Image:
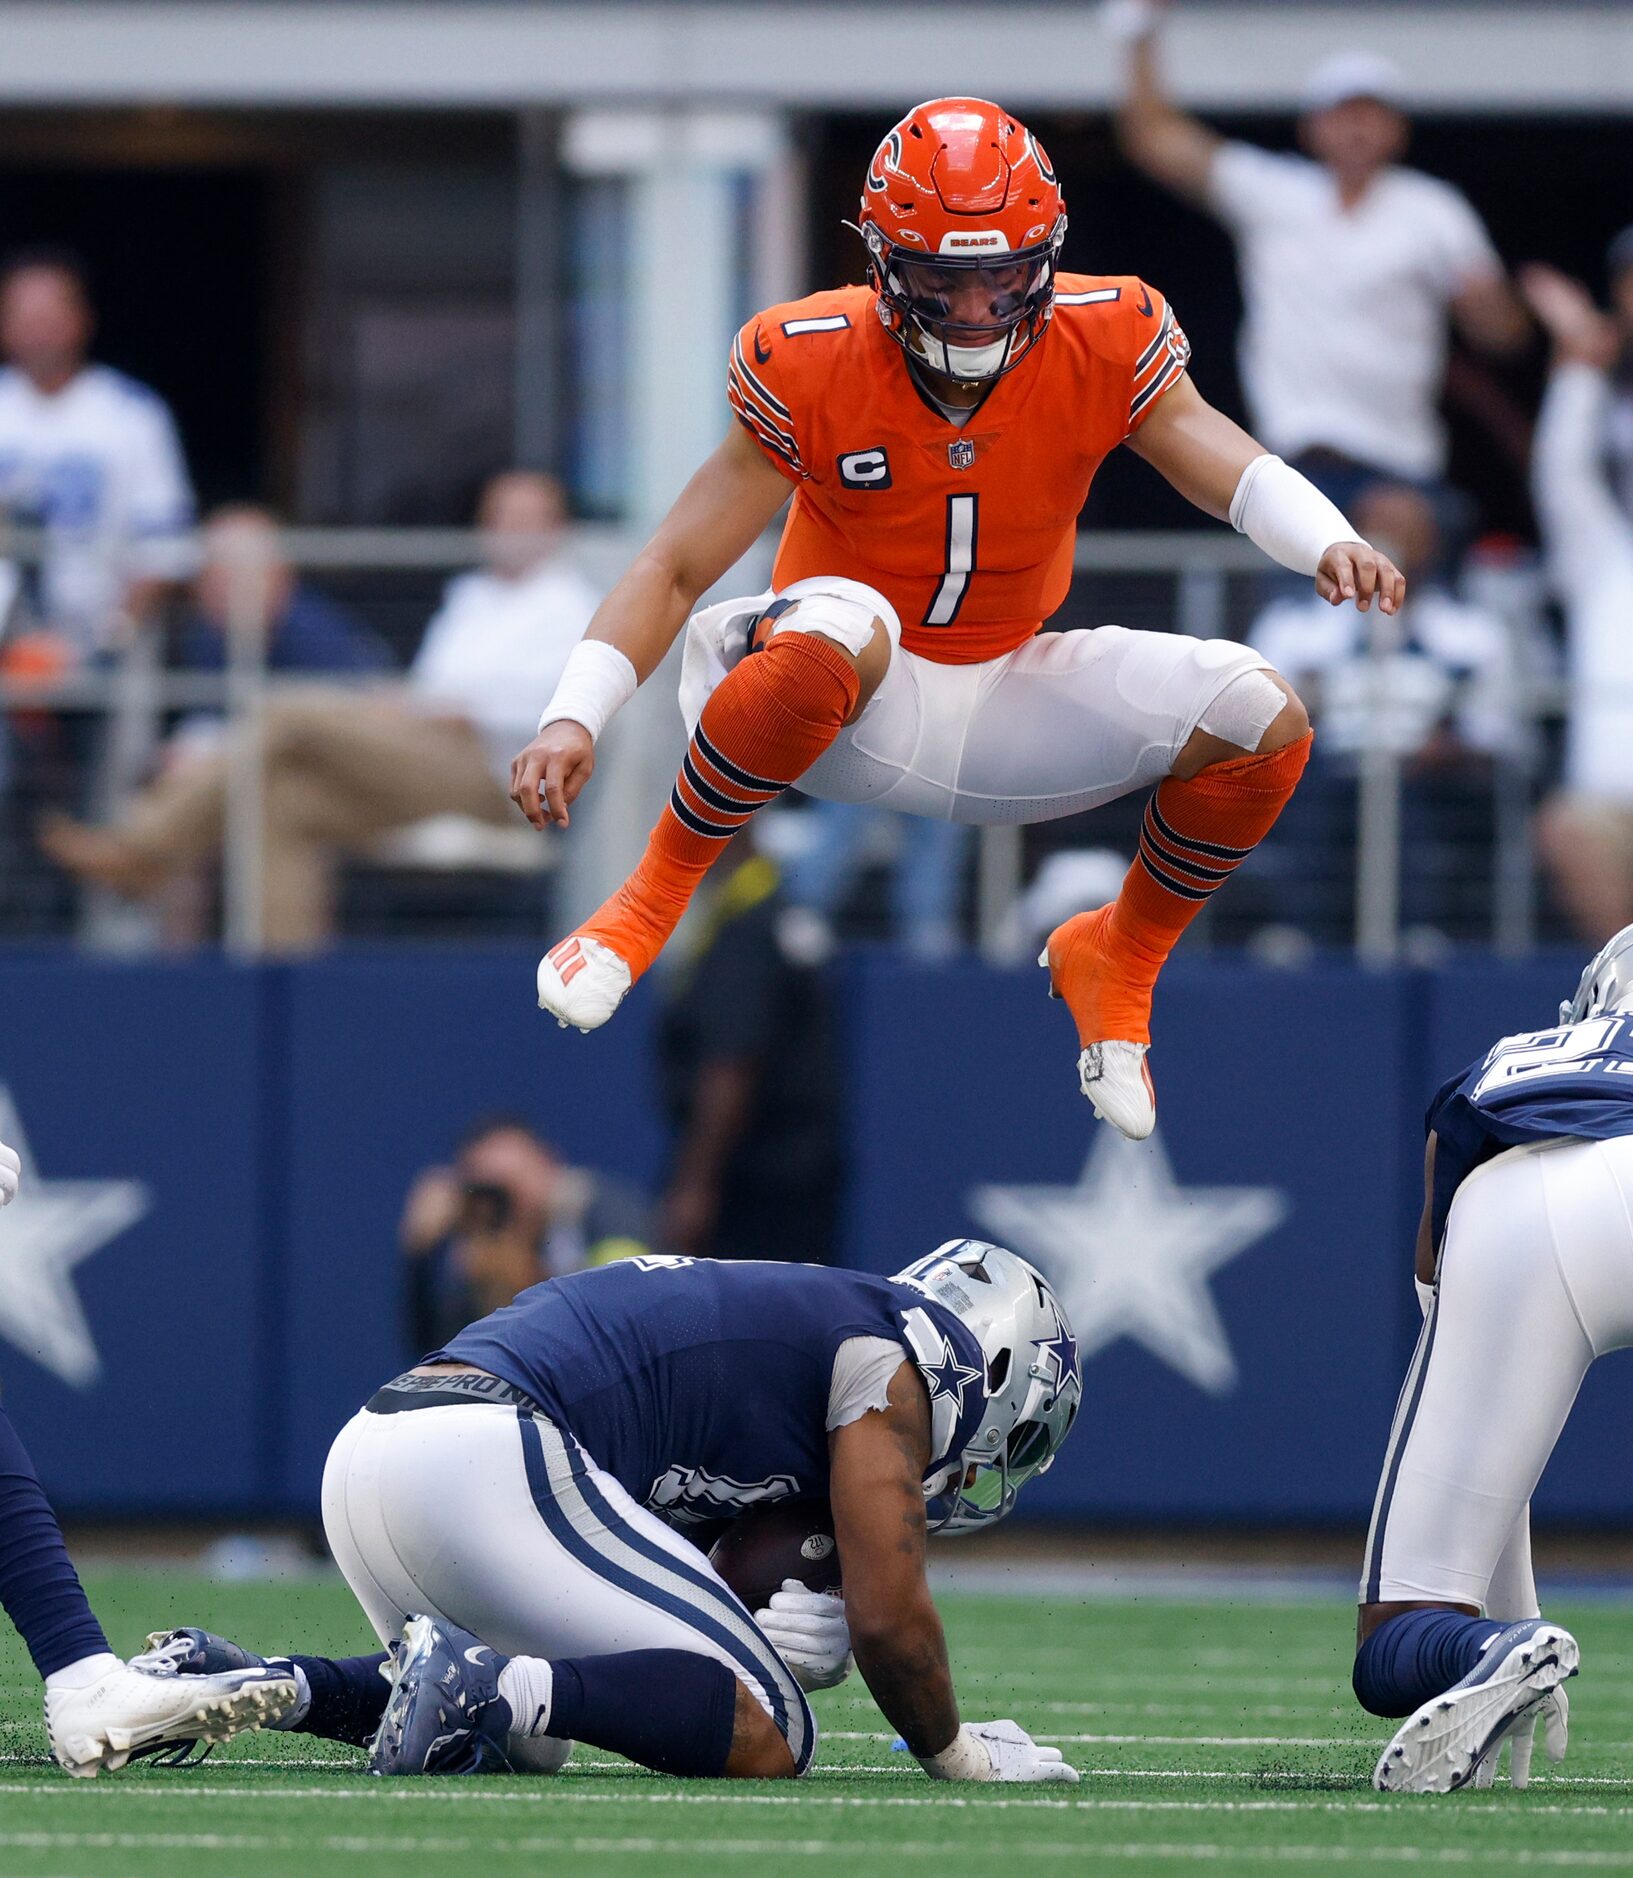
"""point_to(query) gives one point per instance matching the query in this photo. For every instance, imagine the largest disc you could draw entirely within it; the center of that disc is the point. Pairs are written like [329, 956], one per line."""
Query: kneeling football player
[1527, 1246]
[510, 1515]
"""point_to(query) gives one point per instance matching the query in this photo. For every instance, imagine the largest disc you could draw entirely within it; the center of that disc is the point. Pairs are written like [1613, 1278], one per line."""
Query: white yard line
[446, 1845]
[562, 1794]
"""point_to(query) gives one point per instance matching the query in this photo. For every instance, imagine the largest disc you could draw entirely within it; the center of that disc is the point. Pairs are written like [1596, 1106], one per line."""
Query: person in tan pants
[342, 768]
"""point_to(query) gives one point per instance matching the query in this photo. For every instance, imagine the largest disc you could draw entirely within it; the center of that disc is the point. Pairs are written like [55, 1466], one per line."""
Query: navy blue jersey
[702, 1386]
[1573, 1082]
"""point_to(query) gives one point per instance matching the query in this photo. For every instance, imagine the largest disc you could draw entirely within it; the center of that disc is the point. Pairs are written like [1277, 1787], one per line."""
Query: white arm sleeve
[1285, 514]
[863, 1367]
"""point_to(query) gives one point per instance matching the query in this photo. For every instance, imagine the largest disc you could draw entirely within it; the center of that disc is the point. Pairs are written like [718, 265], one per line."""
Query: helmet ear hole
[998, 1372]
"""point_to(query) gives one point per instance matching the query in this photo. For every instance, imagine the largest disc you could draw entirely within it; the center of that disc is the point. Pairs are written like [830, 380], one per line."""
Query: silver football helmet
[1606, 983]
[1034, 1379]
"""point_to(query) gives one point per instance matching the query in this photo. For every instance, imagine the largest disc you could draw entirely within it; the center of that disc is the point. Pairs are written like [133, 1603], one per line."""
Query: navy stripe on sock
[734, 772]
[1214, 849]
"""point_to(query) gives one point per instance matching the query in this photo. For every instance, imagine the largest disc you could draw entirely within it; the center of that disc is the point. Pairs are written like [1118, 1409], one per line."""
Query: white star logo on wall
[1130, 1251]
[52, 1226]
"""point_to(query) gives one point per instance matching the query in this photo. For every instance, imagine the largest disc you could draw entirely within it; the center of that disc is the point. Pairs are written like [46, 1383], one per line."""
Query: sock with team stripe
[1417, 1656]
[767, 722]
[39, 1587]
[1196, 833]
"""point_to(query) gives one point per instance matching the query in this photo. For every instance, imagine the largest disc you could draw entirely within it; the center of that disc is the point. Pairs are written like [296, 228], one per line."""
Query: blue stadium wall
[274, 1117]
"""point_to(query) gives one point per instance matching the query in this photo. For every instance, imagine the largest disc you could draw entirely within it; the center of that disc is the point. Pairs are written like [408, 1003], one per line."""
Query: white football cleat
[582, 982]
[134, 1710]
[1444, 1745]
[1117, 1080]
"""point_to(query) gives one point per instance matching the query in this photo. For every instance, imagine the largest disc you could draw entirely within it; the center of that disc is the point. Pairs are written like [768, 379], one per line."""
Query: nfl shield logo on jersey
[961, 453]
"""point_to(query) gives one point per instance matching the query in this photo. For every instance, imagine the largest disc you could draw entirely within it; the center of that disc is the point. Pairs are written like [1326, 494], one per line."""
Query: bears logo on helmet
[963, 220]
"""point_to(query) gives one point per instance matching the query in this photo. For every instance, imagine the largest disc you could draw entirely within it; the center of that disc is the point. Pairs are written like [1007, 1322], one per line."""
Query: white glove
[1554, 1713]
[809, 1631]
[998, 1750]
[10, 1170]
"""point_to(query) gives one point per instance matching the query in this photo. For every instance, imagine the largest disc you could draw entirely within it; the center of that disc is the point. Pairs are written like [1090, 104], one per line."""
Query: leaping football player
[99, 1712]
[1525, 1259]
[511, 1516]
[940, 428]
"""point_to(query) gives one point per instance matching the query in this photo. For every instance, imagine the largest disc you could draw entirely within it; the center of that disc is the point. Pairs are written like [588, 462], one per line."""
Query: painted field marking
[1484, 1857]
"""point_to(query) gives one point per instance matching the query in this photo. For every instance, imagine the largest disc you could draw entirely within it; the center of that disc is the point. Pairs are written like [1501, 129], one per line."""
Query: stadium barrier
[1205, 582]
[202, 1282]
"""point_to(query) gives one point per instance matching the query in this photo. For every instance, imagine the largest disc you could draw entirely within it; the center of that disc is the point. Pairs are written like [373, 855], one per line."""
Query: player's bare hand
[1565, 310]
[546, 778]
[1350, 570]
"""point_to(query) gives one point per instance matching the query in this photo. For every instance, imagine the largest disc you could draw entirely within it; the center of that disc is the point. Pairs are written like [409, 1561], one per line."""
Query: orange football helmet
[963, 221]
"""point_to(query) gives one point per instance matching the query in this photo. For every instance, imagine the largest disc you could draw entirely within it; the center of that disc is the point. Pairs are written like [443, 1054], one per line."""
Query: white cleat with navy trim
[1452, 1738]
[144, 1707]
[582, 982]
[1117, 1080]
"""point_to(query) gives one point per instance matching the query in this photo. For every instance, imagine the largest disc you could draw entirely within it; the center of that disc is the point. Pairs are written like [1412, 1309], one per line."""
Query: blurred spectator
[1586, 830]
[1436, 685]
[1434, 682]
[926, 873]
[749, 1078]
[507, 1214]
[88, 455]
[1350, 264]
[245, 581]
[341, 770]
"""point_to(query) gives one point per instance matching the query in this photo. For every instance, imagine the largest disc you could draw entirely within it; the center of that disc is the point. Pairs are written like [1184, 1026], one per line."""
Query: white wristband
[596, 681]
[1285, 514]
[964, 1758]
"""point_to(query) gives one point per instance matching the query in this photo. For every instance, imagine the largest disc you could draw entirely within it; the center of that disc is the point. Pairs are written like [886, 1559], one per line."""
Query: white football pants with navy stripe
[496, 1520]
[1536, 1280]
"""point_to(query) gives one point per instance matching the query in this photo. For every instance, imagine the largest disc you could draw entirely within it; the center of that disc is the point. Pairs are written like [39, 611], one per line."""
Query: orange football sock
[767, 722]
[1195, 835]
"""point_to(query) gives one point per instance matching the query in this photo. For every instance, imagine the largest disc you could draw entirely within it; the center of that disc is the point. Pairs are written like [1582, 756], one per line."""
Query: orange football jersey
[967, 531]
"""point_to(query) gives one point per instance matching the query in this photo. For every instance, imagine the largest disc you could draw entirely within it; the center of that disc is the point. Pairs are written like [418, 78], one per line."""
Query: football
[788, 1539]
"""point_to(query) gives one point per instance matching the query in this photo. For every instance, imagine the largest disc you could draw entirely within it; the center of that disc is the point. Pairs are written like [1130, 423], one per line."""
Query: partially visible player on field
[99, 1712]
[1352, 265]
[512, 1515]
[940, 428]
[1526, 1241]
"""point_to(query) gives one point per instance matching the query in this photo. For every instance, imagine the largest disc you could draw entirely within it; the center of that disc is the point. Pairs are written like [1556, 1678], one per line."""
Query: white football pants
[1067, 721]
[496, 1520]
[1536, 1280]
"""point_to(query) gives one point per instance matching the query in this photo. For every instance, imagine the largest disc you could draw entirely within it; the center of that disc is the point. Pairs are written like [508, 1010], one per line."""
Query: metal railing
[1210, 580]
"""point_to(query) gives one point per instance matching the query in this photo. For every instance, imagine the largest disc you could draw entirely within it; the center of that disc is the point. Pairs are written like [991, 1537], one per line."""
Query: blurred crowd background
[324, 423]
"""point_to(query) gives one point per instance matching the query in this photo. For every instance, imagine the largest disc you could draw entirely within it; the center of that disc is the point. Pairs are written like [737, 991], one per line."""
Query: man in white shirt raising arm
[1351, 264]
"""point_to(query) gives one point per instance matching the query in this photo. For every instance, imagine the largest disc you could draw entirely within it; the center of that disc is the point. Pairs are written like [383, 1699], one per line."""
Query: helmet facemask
[969, 317]
[1033, 1382]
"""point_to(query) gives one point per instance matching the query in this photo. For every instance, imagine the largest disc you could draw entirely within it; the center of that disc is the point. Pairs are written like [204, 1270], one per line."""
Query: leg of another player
[1500, 1360]
[813, 668]
[1229, 782]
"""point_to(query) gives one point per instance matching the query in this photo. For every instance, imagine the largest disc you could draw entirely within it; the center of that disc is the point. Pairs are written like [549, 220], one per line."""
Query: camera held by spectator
[508, 1213]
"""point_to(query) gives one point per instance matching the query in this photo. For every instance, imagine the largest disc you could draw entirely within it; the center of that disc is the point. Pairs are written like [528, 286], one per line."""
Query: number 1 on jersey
[960, 563]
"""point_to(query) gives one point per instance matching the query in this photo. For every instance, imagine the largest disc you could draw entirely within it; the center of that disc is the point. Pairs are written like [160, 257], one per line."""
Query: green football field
[1211, 1736]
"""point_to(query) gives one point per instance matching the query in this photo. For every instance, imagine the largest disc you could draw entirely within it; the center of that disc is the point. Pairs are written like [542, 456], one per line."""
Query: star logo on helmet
[1060, 1350]
[948, 1377]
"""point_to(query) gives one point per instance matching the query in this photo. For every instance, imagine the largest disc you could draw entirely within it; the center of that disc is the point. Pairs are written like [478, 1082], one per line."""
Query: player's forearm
[904, 1664]
[643, 614]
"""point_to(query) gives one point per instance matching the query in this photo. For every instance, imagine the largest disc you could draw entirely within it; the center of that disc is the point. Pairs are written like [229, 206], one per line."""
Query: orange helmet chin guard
[963, 221]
